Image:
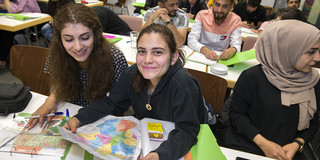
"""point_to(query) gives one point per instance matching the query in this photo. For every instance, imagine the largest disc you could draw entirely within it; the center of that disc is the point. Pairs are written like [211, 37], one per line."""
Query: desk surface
[77, 153]
[16, 25]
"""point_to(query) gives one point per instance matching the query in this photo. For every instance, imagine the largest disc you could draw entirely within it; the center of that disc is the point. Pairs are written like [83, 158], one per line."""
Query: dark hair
[289, 0]
[139, 83]
[65, 70]
[53, 6]
[290, 13]
[162, 1]
[254, 3]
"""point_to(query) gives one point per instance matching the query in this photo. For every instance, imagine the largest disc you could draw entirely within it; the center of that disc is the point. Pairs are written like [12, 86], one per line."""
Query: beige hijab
[279, 48]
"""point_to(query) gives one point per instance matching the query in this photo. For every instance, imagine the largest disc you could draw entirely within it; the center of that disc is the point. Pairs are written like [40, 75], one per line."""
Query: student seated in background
[167, 13]
[282, 14]
[157, 86]
[274, 109]
[216, 29]
[6, 37]
[53, 6]
[111, 22]
[82, 64]
[251, 12]
[290, 4]
[192, 7]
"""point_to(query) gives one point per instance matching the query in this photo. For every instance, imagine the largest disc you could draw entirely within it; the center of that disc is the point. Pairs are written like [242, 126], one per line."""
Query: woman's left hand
[291, 149]
[151, 156]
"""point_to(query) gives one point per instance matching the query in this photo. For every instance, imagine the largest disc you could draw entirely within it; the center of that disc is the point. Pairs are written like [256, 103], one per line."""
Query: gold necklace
[148, 106]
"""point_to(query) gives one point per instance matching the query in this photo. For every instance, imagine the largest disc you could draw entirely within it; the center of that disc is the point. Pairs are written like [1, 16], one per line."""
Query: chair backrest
[213, 88]
[249, 43]
[27, 64]
[134, 23]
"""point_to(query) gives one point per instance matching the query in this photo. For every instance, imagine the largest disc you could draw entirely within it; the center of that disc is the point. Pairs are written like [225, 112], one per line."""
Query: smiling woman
[157, 86]
[83, 65]
[275, 106]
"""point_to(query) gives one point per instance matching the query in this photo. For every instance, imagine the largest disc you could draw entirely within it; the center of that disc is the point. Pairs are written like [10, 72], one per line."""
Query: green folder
[191, 20]
[112, 39]
[17, 16]
[239, 57]
[207, 147]
[137, 4]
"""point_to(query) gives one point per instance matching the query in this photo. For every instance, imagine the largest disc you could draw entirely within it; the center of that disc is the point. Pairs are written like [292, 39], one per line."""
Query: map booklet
[111, 137]
[37, 141]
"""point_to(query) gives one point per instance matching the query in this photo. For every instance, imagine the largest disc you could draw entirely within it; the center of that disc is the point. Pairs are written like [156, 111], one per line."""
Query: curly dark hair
[139, 83]
[65, 70]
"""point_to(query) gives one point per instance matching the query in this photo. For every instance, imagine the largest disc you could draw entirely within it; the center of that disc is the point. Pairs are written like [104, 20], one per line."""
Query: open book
[45, 141]
[116, 138]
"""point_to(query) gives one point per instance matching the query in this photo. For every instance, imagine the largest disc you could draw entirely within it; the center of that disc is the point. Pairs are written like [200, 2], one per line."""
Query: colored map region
[115, 137]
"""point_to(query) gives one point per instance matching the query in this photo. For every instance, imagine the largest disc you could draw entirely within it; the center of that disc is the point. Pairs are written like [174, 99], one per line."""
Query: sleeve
[146, 16]
[183, 21]
[241, 101]
[119, 63]
[17, 6]
[116, 102]
[187, 126]
[194, 36]
[262, 14]
[235, 39]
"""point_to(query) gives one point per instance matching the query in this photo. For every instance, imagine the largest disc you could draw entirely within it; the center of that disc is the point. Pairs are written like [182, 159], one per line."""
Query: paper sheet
[239, 57]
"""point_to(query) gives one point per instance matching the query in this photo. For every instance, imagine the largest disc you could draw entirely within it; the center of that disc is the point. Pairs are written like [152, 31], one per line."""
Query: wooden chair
[249, 43]
[213, 88]
[27, 64]
[134, 23]
[269, 10]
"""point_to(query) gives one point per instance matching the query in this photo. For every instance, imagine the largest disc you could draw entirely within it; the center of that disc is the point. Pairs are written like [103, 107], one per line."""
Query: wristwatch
[169, 22]
[301, 147]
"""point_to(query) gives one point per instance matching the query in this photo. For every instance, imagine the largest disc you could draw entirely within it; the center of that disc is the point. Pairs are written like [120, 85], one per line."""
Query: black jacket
[176, 98]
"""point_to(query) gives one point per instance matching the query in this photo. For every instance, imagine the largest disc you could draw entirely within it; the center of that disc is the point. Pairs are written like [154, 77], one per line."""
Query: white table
[14, 25]
[76, 152]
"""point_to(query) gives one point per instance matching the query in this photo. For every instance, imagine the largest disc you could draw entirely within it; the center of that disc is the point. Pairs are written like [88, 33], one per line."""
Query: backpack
[13, 98]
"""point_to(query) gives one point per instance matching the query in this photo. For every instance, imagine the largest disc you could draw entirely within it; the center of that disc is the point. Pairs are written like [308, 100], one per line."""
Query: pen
[48, 115]
[67, 114]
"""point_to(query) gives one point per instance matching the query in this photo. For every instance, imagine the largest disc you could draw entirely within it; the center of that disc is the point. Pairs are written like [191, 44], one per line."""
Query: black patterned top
[119, 66]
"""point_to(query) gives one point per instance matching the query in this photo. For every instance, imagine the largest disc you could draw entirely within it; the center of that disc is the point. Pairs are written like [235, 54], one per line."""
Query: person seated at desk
[167, 13]
[6, 37]
[157, 86]
[83, 65]
[274, 109]
[53, 7]
[282, 14]
[290, 4]
[251, 12]
[216, 30]
[192, 7]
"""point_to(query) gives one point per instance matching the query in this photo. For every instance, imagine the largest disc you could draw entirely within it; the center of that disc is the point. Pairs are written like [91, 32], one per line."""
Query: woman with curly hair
[82, 64]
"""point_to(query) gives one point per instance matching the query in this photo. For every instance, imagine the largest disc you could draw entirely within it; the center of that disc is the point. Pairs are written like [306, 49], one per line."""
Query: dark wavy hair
[139, 83]
[290, 13]
[65, 70]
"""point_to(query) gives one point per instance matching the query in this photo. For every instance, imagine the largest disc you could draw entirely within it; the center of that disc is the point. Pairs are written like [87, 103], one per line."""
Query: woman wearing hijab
[274, 111]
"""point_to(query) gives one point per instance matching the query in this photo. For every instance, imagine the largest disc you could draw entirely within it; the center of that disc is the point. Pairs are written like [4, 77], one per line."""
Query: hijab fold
[279, 48]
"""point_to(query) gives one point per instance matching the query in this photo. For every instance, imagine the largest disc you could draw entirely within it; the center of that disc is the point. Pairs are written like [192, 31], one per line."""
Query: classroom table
[76, 152]
[14, 25]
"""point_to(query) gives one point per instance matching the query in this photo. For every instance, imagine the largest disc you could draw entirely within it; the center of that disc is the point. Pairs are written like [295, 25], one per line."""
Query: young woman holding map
[158, 87]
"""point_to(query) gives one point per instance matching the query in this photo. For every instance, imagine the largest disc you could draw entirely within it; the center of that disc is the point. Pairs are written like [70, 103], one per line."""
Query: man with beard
[251, 12]
[216, 30]
[167, 13]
